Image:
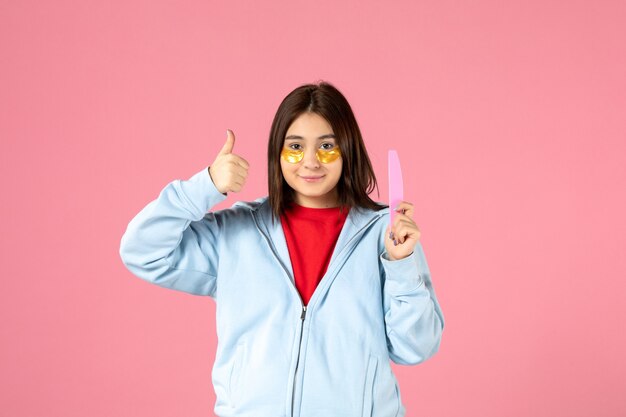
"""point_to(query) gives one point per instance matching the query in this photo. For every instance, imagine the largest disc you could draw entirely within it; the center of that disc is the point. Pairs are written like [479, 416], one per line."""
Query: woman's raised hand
[229, 171]
[402, 236]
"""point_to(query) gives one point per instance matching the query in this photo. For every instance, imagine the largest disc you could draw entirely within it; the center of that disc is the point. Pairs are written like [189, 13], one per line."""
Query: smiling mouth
[311, 179]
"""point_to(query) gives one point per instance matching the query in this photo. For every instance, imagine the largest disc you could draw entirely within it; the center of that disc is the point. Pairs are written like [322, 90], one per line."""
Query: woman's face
[314, 182]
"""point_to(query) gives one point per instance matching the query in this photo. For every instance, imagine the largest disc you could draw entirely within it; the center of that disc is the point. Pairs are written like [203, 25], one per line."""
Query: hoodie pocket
[235, 372]
[368, 390]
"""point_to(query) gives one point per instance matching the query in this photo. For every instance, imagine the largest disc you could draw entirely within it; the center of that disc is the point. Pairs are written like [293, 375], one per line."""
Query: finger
[388, 234]
[406, 231]
[236, 161]
[230, 143]
[237, 177]
[238, 170]
[402, 218]
[404, 207]
[240, 161]
[401, 225]
[237, 185]
[235, 166]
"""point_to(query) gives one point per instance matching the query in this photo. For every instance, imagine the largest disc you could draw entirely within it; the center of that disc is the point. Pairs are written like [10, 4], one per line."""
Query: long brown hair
[357, 178]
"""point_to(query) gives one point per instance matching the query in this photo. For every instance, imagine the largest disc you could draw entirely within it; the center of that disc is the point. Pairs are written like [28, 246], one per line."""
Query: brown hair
[357, 178]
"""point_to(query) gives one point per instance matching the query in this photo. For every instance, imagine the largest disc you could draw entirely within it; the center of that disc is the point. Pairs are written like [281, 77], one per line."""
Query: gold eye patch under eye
[294, 156]
[326, 157]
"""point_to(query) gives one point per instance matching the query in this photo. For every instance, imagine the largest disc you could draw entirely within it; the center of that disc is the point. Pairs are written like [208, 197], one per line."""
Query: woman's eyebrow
[326, 136]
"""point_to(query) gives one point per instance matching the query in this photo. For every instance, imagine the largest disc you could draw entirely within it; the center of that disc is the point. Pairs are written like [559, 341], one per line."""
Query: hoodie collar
[356, 220]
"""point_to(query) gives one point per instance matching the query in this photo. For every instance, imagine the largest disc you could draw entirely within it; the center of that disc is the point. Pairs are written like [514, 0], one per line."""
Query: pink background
[510, 120]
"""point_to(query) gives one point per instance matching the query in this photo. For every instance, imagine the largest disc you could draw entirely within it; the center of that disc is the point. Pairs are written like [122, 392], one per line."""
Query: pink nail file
[396, 190]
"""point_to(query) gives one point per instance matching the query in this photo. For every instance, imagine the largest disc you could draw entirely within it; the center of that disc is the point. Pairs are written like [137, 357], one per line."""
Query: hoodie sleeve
[172, 241]
[413, 318]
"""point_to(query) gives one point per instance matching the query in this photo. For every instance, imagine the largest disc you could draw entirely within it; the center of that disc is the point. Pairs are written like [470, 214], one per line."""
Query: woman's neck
[328, 201]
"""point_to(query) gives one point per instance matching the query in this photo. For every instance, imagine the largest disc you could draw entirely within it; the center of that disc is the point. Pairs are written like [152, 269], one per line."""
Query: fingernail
[390, 235]
[395, 243]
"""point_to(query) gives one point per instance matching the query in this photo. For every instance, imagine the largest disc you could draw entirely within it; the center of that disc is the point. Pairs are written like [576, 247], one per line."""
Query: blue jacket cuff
[402, 275]
[200, 188]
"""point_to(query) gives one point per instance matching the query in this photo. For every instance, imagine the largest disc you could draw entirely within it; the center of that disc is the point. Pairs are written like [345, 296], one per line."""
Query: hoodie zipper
[295, 374]
[303, 314]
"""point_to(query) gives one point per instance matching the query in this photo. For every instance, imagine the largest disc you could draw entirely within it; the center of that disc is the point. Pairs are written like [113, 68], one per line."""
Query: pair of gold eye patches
[294, 156]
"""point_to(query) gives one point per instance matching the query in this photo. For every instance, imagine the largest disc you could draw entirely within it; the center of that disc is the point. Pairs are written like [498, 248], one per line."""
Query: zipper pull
[303, 312]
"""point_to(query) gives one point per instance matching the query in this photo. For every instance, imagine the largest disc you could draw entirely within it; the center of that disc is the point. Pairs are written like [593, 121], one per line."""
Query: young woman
[314, 292]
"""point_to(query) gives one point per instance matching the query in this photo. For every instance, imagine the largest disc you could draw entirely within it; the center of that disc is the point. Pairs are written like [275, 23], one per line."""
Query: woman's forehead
[309, 123]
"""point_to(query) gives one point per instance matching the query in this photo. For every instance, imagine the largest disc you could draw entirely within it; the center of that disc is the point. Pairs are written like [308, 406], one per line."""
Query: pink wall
[510, 119]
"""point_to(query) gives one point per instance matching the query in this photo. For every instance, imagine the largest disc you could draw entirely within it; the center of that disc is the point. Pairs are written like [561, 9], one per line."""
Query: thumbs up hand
[228, 171]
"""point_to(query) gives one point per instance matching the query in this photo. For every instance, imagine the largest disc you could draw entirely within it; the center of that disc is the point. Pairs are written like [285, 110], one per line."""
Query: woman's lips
[312, 178]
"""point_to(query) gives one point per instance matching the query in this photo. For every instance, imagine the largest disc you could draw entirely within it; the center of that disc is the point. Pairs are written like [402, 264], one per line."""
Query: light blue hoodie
[275, 357]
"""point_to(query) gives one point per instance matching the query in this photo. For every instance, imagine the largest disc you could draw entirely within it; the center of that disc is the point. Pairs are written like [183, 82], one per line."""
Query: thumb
[230, 142]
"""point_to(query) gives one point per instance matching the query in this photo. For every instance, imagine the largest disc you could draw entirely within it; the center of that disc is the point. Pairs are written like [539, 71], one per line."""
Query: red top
[311, 235]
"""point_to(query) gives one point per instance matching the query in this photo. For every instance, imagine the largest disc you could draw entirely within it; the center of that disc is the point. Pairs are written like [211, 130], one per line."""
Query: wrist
[209, 171]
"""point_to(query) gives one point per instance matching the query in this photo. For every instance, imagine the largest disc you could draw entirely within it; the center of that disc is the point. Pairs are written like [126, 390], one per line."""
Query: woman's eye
[329, 147]
[292, 146]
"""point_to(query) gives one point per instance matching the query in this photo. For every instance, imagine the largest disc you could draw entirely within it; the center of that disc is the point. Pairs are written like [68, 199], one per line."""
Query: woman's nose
[310, 159]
